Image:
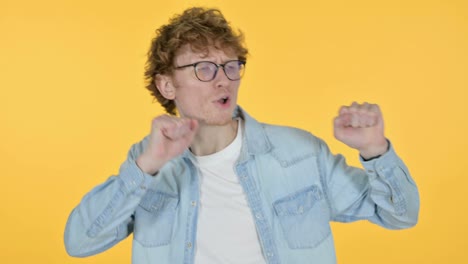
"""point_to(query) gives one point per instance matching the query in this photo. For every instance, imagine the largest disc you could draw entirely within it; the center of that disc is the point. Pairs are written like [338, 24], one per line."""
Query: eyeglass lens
[206, 71]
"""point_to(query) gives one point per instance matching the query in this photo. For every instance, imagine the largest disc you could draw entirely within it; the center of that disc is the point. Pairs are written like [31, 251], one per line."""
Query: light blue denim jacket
[293, 184]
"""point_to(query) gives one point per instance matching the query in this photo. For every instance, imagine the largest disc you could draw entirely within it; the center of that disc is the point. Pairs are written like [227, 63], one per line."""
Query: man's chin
[216, 121]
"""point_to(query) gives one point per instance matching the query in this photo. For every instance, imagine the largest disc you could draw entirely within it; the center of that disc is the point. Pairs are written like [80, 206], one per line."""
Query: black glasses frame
[194, 65]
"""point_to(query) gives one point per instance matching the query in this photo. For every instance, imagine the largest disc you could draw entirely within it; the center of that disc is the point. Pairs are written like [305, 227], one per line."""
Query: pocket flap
[298, 202]
[159, 201]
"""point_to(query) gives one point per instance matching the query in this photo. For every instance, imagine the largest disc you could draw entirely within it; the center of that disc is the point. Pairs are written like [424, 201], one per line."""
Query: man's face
[211, 103]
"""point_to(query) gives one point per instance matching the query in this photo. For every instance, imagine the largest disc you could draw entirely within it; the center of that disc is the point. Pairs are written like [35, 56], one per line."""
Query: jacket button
[301, 209]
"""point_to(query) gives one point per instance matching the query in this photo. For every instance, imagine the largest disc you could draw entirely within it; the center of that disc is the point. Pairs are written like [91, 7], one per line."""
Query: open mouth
[223, 100]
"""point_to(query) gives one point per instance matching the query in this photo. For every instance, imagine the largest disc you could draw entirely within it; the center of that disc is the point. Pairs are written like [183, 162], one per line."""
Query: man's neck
[211, 139]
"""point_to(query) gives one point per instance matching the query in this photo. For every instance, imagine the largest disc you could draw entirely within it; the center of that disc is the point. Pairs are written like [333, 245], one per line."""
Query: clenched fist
[360, 126]
[169, 137]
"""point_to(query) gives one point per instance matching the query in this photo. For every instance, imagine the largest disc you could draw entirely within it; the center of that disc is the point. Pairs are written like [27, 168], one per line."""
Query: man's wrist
[375, 152]
[145, 165]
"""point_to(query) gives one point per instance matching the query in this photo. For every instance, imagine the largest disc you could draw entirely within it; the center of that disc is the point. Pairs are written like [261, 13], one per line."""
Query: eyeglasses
[207, 70]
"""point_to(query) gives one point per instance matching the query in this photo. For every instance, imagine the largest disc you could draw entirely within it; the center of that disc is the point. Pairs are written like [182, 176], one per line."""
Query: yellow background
[72, 101]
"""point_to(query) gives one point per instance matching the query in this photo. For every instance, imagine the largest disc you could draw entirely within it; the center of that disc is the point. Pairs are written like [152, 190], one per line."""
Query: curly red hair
[199, 27]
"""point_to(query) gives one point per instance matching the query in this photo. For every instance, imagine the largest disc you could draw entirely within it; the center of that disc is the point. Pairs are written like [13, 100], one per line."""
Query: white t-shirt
[226, 230]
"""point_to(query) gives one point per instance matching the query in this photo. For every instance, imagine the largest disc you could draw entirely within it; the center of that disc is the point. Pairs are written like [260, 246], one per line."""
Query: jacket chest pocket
[154, 219]
[303, 217]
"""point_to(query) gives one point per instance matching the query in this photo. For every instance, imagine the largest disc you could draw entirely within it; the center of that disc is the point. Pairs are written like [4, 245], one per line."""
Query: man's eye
[232, 67]
[204, 68]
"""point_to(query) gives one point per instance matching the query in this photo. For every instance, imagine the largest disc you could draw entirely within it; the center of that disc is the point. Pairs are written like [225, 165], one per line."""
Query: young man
[212, 185]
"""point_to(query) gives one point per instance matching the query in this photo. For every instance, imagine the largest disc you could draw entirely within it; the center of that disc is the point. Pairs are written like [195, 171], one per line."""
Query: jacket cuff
[134, 180]
[377, 165]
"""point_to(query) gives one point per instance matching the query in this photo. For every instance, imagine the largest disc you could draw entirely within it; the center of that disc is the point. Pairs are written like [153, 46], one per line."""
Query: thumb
[193, 125]
[177, 130]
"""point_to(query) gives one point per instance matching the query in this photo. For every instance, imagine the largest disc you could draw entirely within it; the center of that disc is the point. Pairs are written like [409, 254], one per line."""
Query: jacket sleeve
[383, 192]
[105, 214]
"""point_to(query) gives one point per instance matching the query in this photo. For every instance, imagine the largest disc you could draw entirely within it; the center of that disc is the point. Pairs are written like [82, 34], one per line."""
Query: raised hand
[361, 126]
[169, 137]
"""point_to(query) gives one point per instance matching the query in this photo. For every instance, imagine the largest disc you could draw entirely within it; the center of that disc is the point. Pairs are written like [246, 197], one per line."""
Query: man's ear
[165, 86]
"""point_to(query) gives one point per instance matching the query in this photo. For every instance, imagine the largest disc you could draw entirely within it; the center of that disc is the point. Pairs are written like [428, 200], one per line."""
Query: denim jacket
[293, 185]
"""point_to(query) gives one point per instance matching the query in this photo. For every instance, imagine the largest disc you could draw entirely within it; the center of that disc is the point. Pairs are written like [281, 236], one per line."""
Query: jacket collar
[255, 138]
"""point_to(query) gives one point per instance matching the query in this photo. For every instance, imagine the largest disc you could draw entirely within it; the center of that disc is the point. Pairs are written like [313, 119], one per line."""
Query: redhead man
[210, 184]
